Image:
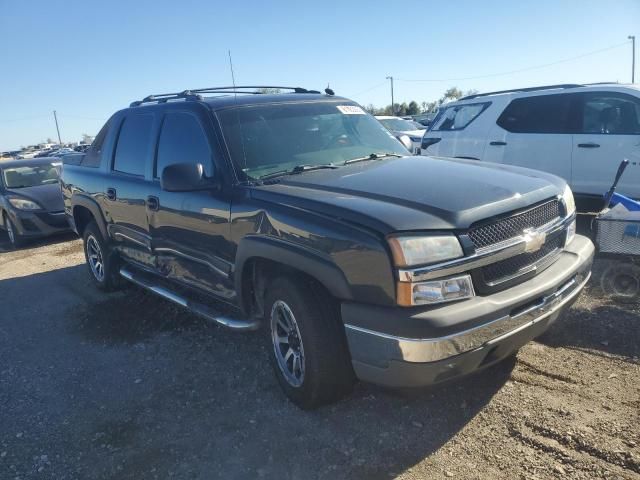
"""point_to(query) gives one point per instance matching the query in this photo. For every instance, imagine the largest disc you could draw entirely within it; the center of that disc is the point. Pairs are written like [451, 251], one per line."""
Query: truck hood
[414, 193]
[48, 197]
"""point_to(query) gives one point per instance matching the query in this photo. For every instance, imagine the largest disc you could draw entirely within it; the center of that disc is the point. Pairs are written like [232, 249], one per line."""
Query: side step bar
[194, 307]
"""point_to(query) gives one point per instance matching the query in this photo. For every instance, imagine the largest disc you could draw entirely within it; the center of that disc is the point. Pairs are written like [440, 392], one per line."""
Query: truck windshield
[30, 176]
[268, 138]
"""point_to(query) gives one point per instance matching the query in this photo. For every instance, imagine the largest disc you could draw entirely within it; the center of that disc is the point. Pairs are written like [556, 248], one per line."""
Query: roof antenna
[235, 100]
[328, 90]
[233, 77]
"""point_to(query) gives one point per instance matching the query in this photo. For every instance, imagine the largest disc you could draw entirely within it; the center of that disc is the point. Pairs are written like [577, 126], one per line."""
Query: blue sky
[87, 59]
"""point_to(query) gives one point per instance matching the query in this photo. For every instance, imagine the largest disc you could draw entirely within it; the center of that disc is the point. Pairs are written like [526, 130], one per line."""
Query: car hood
[414, 193]
[48, 196]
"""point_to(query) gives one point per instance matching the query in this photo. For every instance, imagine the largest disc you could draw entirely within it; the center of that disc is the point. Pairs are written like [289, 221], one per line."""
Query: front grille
[511, 267]
[510, 227]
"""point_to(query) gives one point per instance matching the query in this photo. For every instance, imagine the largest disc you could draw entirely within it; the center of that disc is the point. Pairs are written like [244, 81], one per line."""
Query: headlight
[436, 291]
[409, 250]
[569, 202]
[23, 204]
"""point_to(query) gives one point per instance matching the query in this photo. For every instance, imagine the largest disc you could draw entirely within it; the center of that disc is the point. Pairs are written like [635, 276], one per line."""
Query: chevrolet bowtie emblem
[533, 240]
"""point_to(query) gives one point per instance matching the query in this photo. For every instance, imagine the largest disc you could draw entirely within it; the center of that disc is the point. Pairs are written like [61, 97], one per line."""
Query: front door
[608, 131]
[190, 230]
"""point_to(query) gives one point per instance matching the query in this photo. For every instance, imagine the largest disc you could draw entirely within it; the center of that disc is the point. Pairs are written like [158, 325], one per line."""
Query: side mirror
[406, 141]
[184, 177]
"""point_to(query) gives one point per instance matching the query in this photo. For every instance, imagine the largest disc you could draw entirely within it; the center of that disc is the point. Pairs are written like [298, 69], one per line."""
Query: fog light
[437, 291]
[571, 232]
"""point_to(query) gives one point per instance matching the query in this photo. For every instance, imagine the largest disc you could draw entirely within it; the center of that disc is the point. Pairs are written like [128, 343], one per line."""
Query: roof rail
[194, 94]
[527, 89]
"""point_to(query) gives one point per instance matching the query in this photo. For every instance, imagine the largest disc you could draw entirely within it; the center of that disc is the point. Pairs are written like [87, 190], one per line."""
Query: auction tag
[350, 109]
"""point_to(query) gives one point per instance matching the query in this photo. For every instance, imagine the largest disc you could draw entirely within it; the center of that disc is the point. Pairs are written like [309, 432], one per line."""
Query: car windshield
[264, 139]
[398, 124]
[30, 176]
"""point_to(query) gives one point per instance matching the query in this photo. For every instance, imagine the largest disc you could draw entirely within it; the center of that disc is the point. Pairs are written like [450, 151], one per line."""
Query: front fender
[313, 263]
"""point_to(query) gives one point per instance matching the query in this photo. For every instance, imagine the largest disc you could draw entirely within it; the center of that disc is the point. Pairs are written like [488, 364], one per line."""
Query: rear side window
[540, 114]
[610, 113]
[93, 157]
[133, 145]
[458, 117]
[182, 140]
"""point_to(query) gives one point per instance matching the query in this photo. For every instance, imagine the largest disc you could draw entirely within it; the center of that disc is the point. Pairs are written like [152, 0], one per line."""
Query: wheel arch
[259, 257]
[84, 211]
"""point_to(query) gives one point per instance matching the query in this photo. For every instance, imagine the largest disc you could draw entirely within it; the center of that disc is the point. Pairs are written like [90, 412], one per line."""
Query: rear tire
[15, 239]
[103, 263]
[307, 343]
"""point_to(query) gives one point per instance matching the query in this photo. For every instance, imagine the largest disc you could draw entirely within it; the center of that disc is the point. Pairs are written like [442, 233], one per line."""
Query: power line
[80, 117]
[377, 85]
[24, 118]
[511, 72]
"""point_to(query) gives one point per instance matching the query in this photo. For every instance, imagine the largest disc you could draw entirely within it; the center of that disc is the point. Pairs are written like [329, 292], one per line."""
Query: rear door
[608, 131]
[127, 186]
[533, 132]
[190, 230]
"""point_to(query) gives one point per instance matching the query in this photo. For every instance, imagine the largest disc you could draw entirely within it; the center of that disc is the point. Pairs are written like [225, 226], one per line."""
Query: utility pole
[633, 57]
[393, 107]
[55, 117]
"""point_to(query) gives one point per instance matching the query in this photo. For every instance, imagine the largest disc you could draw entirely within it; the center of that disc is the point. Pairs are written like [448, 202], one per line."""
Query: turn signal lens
[437, 291]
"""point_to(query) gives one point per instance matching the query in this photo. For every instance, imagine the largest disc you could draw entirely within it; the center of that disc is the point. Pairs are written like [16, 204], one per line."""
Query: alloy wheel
[10, 232]
[287, 343]
[94, 257]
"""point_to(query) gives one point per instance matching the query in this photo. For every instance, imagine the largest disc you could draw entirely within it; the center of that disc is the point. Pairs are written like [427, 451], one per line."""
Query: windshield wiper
[295, 170]
[372, 156]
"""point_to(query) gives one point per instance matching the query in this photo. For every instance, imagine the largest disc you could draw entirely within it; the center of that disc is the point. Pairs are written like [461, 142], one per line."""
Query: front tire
[103, 263]
[14, 237]
[307, 344]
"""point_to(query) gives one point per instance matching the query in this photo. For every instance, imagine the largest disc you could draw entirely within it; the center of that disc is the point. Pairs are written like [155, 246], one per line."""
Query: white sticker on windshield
[350, 109]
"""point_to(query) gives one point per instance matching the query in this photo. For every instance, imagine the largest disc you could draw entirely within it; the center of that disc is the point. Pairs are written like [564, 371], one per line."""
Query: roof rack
[194, 94]
[527, 89]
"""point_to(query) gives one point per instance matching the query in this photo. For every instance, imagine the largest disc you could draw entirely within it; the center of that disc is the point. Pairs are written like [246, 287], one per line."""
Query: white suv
[578, 132]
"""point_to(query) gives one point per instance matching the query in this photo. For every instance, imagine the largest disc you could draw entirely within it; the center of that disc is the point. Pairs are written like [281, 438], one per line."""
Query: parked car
[305, 218]
[578, 132]
[424, 119]
[61, 152]
[398, 126]
[30, 200]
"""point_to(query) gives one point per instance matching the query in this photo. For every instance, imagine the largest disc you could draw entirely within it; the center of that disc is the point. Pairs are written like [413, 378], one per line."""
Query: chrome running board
[197, 308]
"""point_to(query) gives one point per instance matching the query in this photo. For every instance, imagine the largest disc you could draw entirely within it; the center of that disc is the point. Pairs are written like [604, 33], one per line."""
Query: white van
[578, 132]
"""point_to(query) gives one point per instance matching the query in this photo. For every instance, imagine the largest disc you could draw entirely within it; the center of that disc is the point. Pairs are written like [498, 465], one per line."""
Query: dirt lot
[126, 386]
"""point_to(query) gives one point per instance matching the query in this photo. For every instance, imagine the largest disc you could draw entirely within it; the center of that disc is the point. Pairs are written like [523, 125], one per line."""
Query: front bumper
[426, 346]
[38, 223]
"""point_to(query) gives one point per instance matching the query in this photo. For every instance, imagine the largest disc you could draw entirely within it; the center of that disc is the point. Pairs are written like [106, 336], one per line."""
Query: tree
[371, 108]
[453, 93]
[413, 108]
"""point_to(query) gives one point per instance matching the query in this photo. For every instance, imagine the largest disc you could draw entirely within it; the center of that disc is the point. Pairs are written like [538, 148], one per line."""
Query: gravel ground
[126, 386]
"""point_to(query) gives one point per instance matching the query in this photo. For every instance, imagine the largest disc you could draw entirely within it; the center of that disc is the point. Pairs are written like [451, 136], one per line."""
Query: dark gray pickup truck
[298, 214]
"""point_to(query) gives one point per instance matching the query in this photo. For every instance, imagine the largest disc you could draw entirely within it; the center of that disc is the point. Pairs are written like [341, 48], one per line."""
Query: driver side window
[182, 140]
